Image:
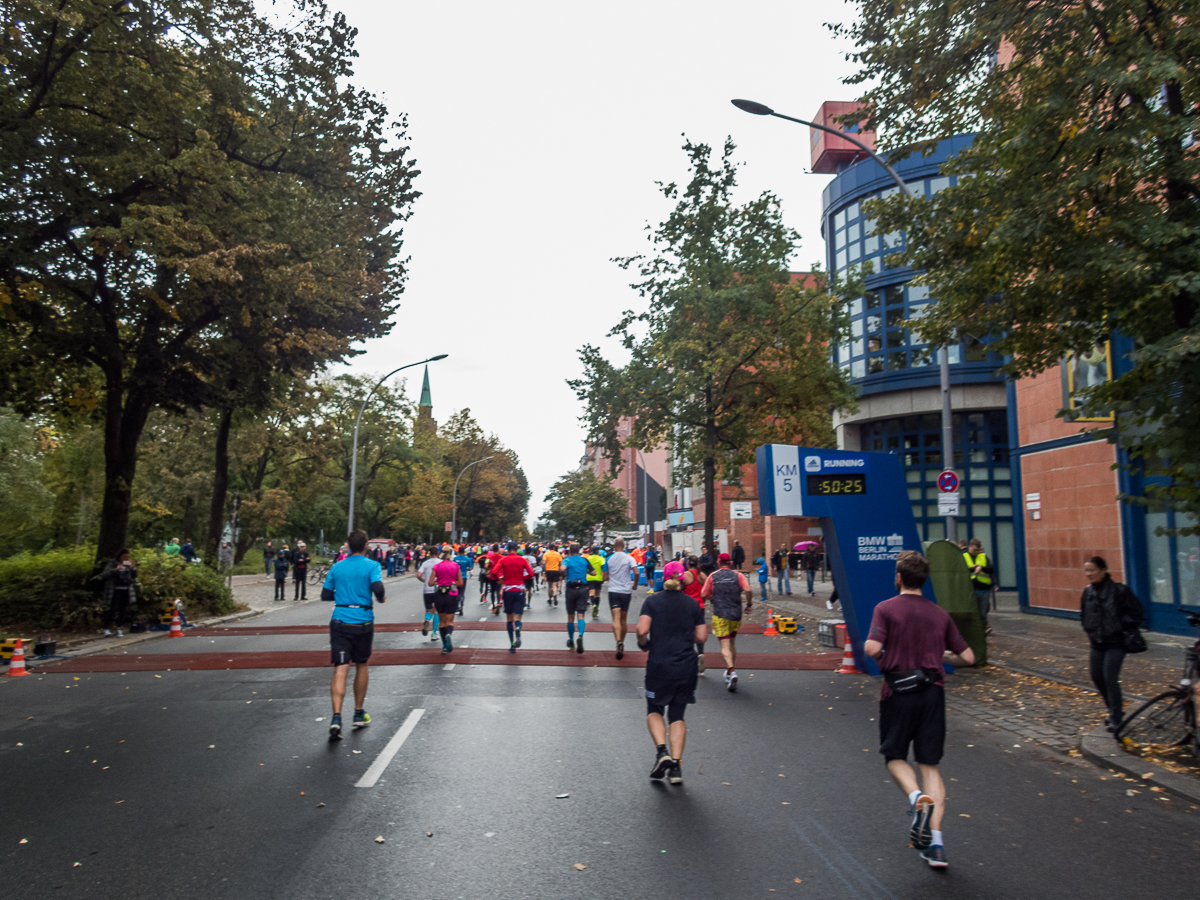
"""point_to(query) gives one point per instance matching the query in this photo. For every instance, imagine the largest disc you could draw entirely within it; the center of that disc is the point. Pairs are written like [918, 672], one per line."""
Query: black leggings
[1105, 661]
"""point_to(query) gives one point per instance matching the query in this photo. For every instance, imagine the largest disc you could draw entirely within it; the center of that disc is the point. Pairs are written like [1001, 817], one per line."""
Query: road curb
[1099, 747]
[100, 646]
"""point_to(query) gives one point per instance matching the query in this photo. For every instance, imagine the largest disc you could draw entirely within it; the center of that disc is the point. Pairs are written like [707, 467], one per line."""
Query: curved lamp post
[761, 109]
[454, 499]
[357, 421]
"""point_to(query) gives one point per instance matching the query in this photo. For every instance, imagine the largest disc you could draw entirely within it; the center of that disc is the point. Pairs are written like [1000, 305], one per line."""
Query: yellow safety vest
[980, 560]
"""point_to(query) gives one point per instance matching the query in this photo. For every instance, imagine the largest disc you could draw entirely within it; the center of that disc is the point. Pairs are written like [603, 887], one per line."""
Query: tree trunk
[710, 474]
[216, 514]
[124, 421]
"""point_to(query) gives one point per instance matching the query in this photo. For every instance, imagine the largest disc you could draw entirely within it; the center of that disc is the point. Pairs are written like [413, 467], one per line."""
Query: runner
[595, 579]
[531, 584]
[911, 637]
[432, 620]
[575, 569]
[651, 563]
[445, 580]
[728, 589]
[512, 571]
[668, 627]
[622, 575]
[484, 582]
[693, 581]
[351, 586]
[551, 562]
[494, 556]
[465, 563]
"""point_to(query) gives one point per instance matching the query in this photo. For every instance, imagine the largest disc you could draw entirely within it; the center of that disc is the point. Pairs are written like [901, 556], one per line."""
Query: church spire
[425, 423]
[426, 398]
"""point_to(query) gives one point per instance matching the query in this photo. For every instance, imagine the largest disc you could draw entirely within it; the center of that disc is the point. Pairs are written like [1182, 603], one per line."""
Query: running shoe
[425, 629]
[518, 643]
[361, 719]
[829, 604]
[579, 644]
[595, 610]
[435, 637]
[700, 663]
[512, 646]
[935, 856]
[662, 764]
[731, 680]
[570, 643]
[920, 835]
[675, 773]
[446, 648]
[620, 649]
[335, 728]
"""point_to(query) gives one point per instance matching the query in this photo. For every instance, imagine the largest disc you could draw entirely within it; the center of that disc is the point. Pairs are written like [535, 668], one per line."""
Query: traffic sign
[948, 503]
[947, 482]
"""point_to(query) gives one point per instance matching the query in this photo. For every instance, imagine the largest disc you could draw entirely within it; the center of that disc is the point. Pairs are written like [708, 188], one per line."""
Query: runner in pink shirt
[446, 579]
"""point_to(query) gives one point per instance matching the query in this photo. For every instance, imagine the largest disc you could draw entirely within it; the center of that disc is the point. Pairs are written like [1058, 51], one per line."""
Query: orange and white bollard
[17, 666]
[771, 629]
[847, 667]
[176, 629]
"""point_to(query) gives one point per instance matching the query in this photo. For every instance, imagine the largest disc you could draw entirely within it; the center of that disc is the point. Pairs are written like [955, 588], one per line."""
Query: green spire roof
[426, 398]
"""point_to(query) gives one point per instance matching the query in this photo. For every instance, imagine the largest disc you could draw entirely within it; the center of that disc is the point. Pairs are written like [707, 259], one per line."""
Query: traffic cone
[771, 629]
[847, 667]
[176, 630]
[17, 665]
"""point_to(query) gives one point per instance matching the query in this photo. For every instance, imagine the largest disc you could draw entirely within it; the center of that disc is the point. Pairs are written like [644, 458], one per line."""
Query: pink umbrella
[805, 545]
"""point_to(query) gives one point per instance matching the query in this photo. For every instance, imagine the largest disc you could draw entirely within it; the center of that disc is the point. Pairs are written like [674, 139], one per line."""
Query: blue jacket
[764, 573]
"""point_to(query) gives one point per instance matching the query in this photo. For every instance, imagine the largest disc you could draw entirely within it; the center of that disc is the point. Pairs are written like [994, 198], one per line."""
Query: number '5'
[787, 484]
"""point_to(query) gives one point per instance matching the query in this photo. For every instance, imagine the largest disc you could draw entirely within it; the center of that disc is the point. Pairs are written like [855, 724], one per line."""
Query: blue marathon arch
[866, 521]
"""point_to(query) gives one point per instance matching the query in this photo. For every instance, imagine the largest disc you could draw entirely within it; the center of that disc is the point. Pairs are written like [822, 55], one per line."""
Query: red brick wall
[1039, 398]
[1080, 518]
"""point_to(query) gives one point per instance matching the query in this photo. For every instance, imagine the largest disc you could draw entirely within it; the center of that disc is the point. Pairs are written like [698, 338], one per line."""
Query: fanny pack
[908, 681]
[445, 589]
[574, 584]
[353, 627]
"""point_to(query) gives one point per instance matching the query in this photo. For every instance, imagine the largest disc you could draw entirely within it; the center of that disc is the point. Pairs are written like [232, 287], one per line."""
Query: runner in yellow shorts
[728, 590]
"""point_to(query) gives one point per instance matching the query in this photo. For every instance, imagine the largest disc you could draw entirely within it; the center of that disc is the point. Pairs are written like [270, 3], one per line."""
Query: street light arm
[759, 109]
[454, 497]
[358, 421]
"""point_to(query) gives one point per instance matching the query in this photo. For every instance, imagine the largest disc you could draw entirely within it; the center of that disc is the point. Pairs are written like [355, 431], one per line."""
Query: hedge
[56, 590]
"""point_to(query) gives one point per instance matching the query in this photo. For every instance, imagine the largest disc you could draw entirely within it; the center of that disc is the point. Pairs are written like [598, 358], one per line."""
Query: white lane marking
[448, 666]
[388, 753]
[483, 618]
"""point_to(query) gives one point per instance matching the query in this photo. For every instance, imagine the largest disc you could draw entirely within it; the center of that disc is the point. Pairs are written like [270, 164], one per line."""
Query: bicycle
[1169, 720]
[317, 576]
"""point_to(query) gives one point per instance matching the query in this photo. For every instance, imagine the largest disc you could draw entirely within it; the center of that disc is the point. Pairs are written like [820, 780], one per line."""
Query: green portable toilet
[952, 587]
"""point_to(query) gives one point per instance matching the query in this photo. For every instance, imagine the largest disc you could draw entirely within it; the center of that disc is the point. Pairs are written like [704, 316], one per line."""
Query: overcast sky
[540, 129]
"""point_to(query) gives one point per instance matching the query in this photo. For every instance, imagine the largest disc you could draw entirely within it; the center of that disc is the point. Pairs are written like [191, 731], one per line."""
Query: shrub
[56, 590]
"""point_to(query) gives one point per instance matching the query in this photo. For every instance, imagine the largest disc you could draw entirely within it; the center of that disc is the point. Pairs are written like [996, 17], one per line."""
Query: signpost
[947, 494]
[741, 509]
[866, 519]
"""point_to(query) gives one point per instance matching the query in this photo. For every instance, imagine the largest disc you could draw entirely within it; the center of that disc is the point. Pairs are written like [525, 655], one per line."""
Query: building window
[1084, 371]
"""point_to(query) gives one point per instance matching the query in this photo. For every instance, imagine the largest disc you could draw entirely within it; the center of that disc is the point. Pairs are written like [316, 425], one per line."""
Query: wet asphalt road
[207, 784]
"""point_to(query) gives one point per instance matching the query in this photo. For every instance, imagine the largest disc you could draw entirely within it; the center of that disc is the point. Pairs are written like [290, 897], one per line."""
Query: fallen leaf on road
[119, 801]
[724, 782]
[797, 880]
[429, 834]
[319, 805]
[963, 816]
[561, 796]
[1130, 792]
[320, 718]
[1148, 775]
[212, 746]
[302, 793]
[356, 751]
[379, 840]
[786, 803]
[156, 676]
[24, 841]
[579, 866]
[76, 865]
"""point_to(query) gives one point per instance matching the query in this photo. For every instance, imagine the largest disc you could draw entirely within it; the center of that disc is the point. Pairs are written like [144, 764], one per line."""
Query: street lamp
[454, 499]
[761, 109]
[357, 421]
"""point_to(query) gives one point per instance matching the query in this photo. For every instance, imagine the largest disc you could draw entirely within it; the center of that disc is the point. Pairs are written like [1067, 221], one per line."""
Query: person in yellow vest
[981, 579]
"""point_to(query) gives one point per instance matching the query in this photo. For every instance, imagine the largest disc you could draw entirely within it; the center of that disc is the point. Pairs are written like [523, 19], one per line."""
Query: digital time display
[836, 485]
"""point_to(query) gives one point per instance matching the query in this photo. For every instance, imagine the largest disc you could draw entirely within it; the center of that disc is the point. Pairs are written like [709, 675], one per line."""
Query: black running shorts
[514, 601]
[552, 577]
[429, 600]
[445, 604]
[619, 601]
[918, 719]
[350, 643]
[578, 599]
[670, 696]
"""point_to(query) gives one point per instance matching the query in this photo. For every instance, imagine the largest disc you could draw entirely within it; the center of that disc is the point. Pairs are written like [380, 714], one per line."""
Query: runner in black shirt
[669, 627]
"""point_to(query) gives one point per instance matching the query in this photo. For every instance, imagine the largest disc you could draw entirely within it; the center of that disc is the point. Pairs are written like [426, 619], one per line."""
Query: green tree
[581, 501]
[1080, 219]
[173, 170]
[25, 497]
[729, 353]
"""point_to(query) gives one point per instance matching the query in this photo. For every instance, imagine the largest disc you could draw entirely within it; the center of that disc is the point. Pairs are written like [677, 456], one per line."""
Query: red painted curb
[308, 659]
[384, 627]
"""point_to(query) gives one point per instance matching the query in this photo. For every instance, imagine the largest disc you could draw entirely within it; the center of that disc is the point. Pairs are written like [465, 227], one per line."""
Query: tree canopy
[1081, 216]
[581, 501]
[187, 192]
[730, 352]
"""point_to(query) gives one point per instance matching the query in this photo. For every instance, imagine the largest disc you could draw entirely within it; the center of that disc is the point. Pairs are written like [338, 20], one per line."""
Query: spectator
[300, 561]
[172, 548]
[1109, 612]
[794, 559]
[225, 555]
[118, 578]
[981, 579]
[810, 559]
[764, 575]
[282, 564]
[188, 552]
[738, 555]
[269, 557]
[779, 562]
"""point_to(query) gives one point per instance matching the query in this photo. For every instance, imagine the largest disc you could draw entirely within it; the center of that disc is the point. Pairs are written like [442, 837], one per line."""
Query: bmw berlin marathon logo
[876, 548]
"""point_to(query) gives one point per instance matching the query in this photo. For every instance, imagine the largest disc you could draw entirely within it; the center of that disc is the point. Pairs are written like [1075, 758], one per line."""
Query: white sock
[937, 839]
[912, 798]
